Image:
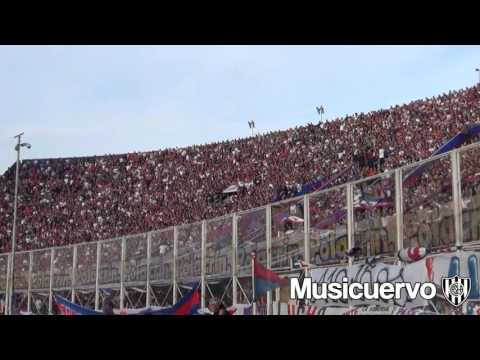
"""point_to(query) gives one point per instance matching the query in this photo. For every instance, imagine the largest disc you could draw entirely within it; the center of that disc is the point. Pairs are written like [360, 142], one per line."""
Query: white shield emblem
[456, 289]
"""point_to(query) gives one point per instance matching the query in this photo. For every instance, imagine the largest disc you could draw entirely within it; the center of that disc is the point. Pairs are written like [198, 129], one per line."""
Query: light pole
[321, 111]
[478, 70]
[251, 125]
[14, 231]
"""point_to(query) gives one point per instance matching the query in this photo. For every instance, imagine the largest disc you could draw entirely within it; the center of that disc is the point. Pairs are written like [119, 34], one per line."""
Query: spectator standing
[108, 305]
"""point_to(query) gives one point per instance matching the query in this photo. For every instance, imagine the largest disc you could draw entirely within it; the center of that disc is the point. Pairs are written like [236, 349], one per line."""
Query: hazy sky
[96, 100]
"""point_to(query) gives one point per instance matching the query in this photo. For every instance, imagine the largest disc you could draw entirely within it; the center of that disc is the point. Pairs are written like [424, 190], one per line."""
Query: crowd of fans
[65, 201]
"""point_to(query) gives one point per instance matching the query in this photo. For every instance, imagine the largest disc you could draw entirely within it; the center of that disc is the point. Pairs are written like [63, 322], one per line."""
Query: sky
[95, 100]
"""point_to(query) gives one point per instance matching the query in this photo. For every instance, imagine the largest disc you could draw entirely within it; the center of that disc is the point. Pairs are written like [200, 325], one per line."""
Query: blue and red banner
[265, 279]
[188, 305]
[463, 136]
[66, 307]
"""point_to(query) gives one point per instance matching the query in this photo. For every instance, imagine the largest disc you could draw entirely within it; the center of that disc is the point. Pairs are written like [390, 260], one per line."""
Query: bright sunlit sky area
[97, 100]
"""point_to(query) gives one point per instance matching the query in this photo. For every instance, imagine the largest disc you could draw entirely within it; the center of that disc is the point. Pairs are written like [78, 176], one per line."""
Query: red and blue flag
[66, 307]
[265, 279]
[187, 305]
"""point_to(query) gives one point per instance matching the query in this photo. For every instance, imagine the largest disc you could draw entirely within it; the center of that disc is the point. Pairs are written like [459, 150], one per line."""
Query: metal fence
[433, 203]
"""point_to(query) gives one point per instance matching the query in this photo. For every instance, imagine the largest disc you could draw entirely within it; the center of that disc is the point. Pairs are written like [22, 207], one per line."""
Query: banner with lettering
[432, 268]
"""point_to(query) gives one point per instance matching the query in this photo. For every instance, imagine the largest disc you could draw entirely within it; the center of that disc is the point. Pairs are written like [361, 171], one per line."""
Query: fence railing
[433, 203]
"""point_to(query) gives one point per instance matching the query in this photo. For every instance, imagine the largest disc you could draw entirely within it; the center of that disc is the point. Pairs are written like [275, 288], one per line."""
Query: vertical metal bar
[399, 207]
[458, 154]
[203, 264]
[350, 219]
[29, 291]
[149, 256]
[254, 297]
[306, 226]
[122, 274]
[269, 252]
[50, 291]
[97, 277]
[234, 258]
[7, 287]
[14, 232]
[457, 200]
[350, 227]
[175, 244]
[11, 287]
[74, 272]
[278, 302]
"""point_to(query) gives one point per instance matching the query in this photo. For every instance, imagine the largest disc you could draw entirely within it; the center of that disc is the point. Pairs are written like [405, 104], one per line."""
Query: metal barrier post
[149, 256]
[175, 244]
[50, 291]
[306, 226]
[74, 272]
[122, 274]
[350, 218]
[203, 263]
[29, 291]
[7, 287]
[97, 278]
[350, 226]
[234, 258]
[399, 207]
[457, 197]
[269, 252]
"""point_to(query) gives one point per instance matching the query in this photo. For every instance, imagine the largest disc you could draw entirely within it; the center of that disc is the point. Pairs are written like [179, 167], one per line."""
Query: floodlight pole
[14, 231]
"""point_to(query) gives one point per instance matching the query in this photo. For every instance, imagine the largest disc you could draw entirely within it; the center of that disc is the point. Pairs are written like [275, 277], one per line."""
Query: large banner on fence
[429, 269]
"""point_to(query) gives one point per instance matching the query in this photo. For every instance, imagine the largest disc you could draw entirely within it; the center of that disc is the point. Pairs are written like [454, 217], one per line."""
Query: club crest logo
[456, 289]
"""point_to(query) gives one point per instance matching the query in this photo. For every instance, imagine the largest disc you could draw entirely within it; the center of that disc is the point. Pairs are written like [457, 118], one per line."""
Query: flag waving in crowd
[66, 307]
[187, 305]
[263, 279]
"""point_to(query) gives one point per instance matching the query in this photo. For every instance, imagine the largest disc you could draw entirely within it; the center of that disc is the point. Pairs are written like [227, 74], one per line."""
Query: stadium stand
[73, 200]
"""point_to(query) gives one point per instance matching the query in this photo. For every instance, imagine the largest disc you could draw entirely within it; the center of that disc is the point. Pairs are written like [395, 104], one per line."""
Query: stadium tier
[416, 223]
[66, 201]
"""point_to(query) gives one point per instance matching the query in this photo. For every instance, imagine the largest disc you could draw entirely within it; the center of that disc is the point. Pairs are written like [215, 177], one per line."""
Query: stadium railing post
[10, 289]
[7, 287]
[399, 207]
[350, 218]
[174, 280]
[149, 256]
[306, 227]
[203, 263]
[74, 272]
[269, 252]
[97, 277]
[350, 226]
[50, 291]
[29, 291]
[122, 273]
[234, 258]
[457, 197]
